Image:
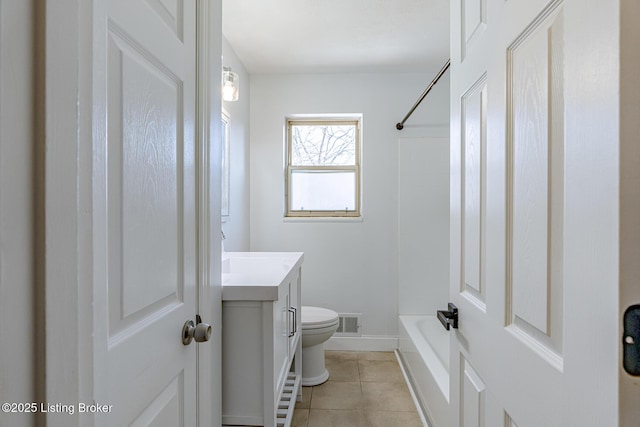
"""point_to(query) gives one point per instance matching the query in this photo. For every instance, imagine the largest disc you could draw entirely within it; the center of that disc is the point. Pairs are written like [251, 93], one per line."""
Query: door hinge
[631, 340]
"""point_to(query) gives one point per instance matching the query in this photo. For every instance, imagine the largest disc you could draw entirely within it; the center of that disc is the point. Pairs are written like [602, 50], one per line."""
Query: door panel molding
[508, 422]
[166, 405]
[137, 81]
[473, 20]
[474, 146]
[535, 180]
[171, 12]
[472, 397]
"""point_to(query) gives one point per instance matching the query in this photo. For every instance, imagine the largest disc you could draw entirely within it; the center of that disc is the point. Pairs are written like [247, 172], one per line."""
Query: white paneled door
[534, 211]
[145, 211]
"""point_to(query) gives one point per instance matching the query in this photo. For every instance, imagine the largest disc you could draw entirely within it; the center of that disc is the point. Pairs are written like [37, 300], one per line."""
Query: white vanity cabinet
[261, 338]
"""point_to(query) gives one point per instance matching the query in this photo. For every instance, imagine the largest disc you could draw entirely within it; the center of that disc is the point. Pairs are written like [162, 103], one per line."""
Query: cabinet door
[281, 322]
[295, 317]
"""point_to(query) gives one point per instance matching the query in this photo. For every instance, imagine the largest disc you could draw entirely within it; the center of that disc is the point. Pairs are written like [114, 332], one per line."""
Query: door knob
[200, 332]
[449, 318]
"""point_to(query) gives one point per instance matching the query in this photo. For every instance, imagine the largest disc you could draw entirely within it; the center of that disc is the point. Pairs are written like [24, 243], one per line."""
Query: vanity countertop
[257, 276]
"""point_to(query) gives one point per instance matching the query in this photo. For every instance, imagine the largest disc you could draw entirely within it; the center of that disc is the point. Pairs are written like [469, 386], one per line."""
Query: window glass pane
[321, 190]
[323, 144]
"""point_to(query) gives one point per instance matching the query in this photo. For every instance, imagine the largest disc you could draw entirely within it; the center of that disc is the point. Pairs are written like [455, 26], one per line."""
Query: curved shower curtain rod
[400, 125]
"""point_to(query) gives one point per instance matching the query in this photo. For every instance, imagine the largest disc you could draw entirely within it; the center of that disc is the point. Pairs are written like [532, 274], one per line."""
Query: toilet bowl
[318, 325]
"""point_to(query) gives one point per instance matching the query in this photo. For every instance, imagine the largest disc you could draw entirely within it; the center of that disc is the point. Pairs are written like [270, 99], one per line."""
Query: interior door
[145, 211]
[533, 250]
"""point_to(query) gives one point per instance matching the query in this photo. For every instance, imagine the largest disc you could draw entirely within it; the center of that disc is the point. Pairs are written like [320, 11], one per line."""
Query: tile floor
[365, 389]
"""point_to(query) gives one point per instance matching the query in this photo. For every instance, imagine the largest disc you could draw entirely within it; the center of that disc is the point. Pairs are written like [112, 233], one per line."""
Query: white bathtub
[424, 350]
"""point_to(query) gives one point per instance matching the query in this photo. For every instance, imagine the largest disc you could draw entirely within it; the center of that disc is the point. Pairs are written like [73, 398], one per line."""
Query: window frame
[356, 168]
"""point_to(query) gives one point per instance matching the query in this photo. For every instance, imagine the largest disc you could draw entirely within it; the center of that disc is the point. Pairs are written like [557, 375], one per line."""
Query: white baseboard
[363, 343]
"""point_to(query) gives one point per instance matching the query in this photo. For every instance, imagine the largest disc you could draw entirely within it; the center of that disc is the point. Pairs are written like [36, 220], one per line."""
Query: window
[323, 168]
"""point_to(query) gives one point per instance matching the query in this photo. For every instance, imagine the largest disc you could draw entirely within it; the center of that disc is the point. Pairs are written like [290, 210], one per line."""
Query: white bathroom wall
[350, 266]
[423, 225]
[236, 225]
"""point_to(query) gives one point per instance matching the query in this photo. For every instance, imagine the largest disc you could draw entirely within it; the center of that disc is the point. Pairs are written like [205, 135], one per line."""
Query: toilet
[318, 325]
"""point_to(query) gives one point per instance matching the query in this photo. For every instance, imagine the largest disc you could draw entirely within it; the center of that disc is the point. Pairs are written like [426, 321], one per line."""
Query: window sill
[323, 219]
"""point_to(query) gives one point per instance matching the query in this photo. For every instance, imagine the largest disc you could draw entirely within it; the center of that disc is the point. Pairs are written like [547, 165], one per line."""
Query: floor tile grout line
[361, 407]
[360, 382]
[309, 409]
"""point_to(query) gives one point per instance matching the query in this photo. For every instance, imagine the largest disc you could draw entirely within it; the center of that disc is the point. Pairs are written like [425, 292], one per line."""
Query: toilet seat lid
[312, 316]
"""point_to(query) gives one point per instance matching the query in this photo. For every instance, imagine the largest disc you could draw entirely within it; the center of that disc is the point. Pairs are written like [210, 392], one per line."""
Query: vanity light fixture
[230, 88]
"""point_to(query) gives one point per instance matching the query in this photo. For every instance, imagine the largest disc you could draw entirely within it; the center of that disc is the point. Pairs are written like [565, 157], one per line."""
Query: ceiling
[338, 36]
